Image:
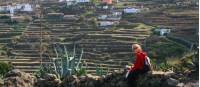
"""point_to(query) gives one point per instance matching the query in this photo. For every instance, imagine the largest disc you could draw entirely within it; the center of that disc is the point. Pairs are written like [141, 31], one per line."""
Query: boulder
[14, 73]
[1, 83]
[172, 82]
[180, 85]
[17, 78]
[192, 84]
[169, 73]
[82, 78]
[71, 81]
[117, 79]
[48, 80]
[50, 77]
[92, 76]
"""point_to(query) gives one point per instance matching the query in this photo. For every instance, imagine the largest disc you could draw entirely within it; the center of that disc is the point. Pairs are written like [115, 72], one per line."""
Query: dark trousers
[133, 77]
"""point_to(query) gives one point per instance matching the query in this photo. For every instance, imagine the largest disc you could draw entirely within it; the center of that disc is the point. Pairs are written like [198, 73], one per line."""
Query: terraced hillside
[182, 21]
[107, 49]
[10, 34]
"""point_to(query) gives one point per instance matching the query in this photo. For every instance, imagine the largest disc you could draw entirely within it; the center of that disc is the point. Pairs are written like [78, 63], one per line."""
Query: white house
[105, 23]
[2, 8]
[70, 2]
[10, 9]
[61, 0]
[114, 16]
[131, 10]
[18, 7]
[102, 17]
[82, 1]
[105, 7]
[163, 32]
[27, 8]
[116, 13]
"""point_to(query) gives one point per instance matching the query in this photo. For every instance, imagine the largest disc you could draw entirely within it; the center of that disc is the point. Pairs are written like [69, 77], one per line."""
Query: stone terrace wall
[115, 79]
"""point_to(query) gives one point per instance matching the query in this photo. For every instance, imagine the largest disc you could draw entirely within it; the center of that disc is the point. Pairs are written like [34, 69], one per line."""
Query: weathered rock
[92, 76]
[192, 84]
[82, 78]
[71, 81]
[16, 78]
[121, 84]
[115, 79]
[172, 82]
[14, 73]
[169, 73]
[180, 85]
[49, 80]
[1, 83]
[50, 77]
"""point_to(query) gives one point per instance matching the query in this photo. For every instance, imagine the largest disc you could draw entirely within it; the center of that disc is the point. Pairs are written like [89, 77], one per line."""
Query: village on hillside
[88, 43]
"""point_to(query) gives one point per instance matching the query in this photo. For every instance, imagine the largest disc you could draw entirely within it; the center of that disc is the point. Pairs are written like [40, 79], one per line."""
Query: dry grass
[143, 26]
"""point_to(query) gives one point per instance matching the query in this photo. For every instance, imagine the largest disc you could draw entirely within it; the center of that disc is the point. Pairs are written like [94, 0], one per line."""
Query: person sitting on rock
[138, 67]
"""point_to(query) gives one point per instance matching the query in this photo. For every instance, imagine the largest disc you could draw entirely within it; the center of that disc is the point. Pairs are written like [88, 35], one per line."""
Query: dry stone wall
[16, 78]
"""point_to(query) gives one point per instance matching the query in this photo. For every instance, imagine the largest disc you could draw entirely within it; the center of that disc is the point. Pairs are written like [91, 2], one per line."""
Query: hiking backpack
[147, 64]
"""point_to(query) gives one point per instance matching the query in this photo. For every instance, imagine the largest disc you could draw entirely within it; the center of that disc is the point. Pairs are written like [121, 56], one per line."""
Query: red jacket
[139, 63]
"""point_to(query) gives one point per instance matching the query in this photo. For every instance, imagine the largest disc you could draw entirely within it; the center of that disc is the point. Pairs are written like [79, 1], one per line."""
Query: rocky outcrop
[48, 80]
[112, 80]
[1, 82]
[16, 78]
[117, 79]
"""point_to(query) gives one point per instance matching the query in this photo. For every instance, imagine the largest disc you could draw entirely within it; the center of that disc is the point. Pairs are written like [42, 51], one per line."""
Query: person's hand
[129, 67]
[132, 65]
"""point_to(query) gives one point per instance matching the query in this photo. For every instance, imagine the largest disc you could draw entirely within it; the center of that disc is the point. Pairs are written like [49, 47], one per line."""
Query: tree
[94, 1]
[94, 22]
[81, 19]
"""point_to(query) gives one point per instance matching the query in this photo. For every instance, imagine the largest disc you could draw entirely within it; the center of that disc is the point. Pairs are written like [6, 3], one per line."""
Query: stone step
[103, 68]
[27, 67]
[128, 33]
[20, 60]
[28, 57]
[27, 54]
[93, 72]
[30, 70]
[104, 46]
[109, 61]
[105, 43]
[25, 51]
[106, 65]
[29, 63]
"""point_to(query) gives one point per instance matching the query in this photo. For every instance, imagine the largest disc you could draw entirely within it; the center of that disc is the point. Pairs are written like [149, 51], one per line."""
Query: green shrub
[4, 17]
[43, 70]
[94, 22]
[163, 48]
[165, 53]
[81, 71]
[4, 68]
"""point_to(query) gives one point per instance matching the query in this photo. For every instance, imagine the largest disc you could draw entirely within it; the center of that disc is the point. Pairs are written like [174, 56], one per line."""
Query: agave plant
[66, 63]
